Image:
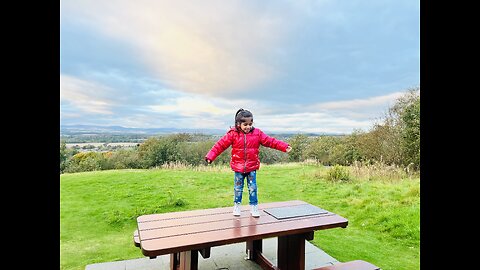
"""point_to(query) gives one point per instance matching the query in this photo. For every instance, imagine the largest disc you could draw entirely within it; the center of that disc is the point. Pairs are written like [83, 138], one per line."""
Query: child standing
[245, 141]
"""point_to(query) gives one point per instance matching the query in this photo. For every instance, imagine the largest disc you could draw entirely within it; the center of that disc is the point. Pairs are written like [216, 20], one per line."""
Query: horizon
[93, 130]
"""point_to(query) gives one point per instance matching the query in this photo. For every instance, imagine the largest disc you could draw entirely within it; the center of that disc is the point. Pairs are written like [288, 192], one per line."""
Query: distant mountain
[119, 130]
[94, 129]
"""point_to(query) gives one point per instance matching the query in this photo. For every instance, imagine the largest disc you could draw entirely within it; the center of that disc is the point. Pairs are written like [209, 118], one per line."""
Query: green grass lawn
[98, 210]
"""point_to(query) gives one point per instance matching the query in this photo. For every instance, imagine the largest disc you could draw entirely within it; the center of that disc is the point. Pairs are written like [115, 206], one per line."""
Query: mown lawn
[98, 210]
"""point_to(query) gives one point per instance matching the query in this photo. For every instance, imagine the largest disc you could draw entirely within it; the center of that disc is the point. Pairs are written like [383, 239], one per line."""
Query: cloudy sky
[311, 66]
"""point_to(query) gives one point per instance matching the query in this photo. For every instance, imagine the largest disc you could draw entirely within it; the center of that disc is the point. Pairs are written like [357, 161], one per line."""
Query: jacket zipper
[245, 152]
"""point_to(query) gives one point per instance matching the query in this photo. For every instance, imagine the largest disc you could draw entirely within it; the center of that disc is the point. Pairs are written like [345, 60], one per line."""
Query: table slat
[212, 211]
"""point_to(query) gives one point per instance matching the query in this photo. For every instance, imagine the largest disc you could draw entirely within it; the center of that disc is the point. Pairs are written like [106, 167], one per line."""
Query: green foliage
[344, 153]
[157, 151]
[149, 152]
[404, 116]
[271, 156]
[86, 161]
[193, 153]
[124, 159]
[382, 143]
[338, 173]
[411, 133]
[351, 152]
[63, 155]
[299, 143]
[321, 149]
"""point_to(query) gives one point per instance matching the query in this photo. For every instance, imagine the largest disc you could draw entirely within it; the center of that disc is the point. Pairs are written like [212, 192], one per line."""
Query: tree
[411, 133]
[298, 143]
[157, 151]
[321, 149]
[63, 155]
[404, 120]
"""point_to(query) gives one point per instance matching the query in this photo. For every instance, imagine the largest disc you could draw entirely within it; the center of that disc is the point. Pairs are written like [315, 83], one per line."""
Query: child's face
[247, 124]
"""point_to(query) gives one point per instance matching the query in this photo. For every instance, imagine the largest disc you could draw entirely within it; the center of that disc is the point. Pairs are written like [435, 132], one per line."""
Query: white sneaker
[236, 209]
[254, 210]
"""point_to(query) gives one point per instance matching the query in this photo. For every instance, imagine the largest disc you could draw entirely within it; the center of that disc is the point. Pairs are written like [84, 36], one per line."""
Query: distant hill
[68, 130]
[93, 129]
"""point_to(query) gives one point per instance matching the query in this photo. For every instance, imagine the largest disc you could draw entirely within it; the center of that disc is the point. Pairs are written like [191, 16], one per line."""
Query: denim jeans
[251, 184]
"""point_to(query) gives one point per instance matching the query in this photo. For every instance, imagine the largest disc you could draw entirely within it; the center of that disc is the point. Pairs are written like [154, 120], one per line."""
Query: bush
[321, 148]
[338, 173]
[271, 156]
[157, 151]
[124, 159]
[86, 161]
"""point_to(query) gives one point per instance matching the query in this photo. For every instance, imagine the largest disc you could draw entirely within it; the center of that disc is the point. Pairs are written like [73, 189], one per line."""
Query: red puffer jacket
[245, 148]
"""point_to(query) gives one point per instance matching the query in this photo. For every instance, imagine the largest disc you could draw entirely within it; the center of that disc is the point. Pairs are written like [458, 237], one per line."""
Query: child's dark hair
[241, 114]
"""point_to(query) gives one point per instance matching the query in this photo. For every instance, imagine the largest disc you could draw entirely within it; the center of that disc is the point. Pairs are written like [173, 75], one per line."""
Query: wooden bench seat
[136, 239]
[351, 265]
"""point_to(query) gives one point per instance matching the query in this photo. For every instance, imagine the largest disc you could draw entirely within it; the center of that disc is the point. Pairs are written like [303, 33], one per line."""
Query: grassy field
[98, 209]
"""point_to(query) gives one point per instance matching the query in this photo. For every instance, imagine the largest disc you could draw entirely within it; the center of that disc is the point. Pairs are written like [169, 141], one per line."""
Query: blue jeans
[251, 184]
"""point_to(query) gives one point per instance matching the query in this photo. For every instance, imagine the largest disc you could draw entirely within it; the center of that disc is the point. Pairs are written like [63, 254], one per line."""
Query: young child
[245, 141]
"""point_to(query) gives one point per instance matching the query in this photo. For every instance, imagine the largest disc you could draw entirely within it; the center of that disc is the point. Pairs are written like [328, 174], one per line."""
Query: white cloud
[85, 96]
[359, 103]
[197, 111]
[189, 106]
[212, 48]
[336, 116]
[370, 109]
[311, 122]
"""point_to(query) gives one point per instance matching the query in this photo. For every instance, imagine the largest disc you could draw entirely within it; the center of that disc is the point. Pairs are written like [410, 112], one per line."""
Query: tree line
[393, 141]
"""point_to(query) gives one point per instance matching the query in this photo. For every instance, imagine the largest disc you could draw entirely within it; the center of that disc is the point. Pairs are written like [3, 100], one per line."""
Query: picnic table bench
[185, 234]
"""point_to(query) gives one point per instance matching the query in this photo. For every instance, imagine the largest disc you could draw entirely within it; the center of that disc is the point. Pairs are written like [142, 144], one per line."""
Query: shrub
[156, 151]
[338, 173]
[86, 161]
[321, 148]
[124, 159]
[271, 156]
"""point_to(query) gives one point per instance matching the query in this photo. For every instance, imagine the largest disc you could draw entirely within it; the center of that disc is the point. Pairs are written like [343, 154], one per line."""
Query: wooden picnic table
[185, 234]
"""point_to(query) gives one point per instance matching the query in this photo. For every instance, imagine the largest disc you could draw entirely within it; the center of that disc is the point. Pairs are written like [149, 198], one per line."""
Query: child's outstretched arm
[271, 142]
[221, 145]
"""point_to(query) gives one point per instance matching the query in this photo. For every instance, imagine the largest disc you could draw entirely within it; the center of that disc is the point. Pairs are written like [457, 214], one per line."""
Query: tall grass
[98, 209]
[380, 171]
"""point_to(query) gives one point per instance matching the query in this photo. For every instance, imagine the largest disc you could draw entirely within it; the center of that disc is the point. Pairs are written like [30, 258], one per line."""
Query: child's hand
[289, 148]
[208, 161]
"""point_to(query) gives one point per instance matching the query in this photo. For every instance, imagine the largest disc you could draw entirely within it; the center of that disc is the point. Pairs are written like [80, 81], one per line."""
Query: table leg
[291, 252]
[186, 260]
[252, 248]
[174, 261]
[254, 253]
